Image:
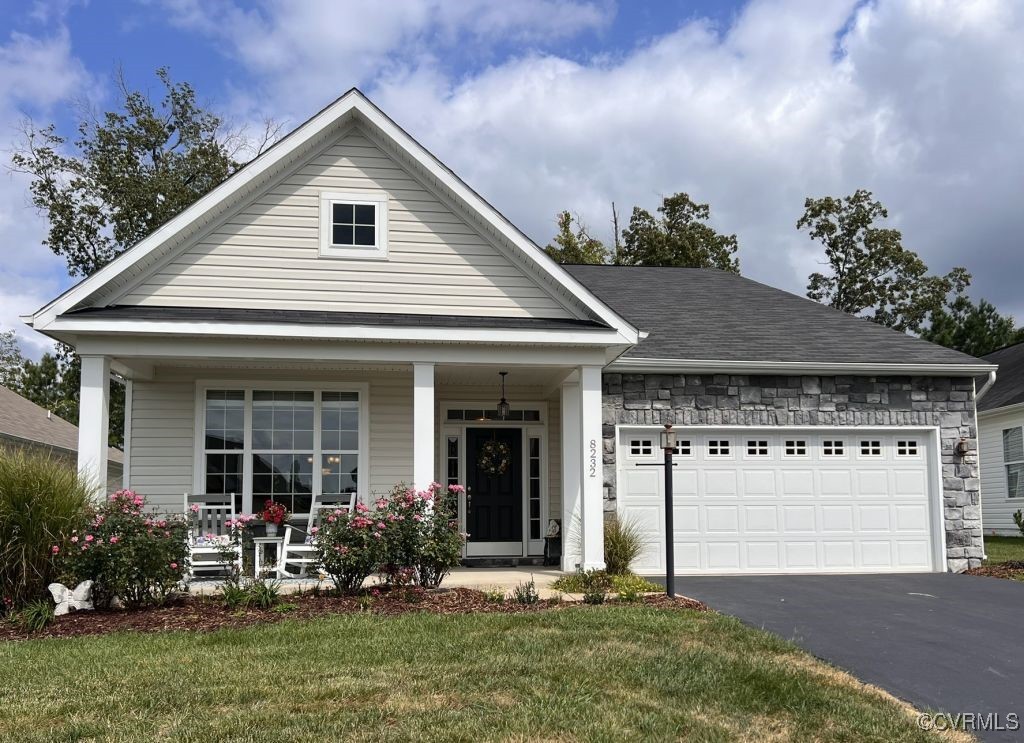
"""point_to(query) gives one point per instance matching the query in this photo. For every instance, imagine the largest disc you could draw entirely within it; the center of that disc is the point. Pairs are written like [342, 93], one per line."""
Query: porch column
[593, 468]
[422, 424]
[572, 468]
[93, 417]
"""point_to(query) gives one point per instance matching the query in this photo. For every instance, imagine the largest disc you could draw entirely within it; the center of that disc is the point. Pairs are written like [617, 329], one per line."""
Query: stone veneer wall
[721, 399]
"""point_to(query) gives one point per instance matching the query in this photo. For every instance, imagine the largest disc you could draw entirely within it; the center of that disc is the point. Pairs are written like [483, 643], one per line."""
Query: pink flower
[362, 507]
[114, 540]
[456, 489]
[55, 549]
[381, 525]
[194, 508]
[89, 537]
[74, 540]
[174, 566]
[417, 517]
[381, 503]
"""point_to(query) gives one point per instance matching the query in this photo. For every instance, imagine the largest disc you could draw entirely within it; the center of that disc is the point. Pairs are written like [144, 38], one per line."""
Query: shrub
[623, 542]
[41, 502]
[264, 594]
[35, 615]
[136, 558]
[234, 595]
[581, 581]
[495, 595]
[1018, 519]
[526, 593]
[410, 536]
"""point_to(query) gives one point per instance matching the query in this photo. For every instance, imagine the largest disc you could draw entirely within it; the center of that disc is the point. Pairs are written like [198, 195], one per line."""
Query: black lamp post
[668, 445]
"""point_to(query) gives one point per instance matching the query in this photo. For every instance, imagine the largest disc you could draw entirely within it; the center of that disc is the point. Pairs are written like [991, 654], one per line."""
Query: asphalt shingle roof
[705, 314]
[24, 420]
[1009, 386]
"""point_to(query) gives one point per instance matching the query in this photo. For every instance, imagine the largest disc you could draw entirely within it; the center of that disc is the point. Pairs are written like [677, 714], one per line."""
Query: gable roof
[353, 106]
[1009, 386]
[26, 422]
[706, 315]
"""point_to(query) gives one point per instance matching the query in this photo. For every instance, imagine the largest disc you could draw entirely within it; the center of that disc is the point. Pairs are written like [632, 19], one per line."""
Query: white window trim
[376, 199]
[247, 386]
[796, 442]
[1007, 463]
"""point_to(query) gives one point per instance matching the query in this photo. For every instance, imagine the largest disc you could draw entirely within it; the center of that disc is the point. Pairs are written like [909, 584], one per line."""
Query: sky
[545, 105]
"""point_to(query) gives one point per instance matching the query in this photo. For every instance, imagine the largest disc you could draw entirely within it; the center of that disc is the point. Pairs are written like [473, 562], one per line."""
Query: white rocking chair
[209, 533]
[297, 546]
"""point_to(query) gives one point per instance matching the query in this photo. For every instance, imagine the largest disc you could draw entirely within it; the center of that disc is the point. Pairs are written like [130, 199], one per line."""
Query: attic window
[354, 225]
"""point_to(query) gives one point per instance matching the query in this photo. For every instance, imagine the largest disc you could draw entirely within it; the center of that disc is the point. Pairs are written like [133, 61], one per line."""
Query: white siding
[163, 424]
[996, 508]
[265, 255]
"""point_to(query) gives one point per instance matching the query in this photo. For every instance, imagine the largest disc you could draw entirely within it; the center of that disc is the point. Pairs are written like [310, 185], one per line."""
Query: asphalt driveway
[941, 641]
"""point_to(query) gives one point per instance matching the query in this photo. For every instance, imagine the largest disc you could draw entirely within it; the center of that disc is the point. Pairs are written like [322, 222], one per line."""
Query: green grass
[1003, 549]
[585, 673]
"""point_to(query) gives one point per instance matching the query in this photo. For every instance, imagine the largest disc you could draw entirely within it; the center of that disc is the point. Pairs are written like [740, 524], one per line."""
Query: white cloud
[919, 101]
[36, 74]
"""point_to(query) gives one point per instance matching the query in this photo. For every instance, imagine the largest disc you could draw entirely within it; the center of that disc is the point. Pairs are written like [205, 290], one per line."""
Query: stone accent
[722, 399]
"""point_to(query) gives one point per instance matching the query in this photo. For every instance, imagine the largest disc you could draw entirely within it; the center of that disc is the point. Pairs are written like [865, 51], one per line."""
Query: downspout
[985, 387]
[977, 396]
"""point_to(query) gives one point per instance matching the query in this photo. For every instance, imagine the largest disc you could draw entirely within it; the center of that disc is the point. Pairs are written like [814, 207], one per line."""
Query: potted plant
[274, 514]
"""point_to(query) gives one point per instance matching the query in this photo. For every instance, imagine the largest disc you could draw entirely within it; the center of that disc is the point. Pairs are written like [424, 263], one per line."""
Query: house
[29, 427]
[338, 316]
[1001, 442]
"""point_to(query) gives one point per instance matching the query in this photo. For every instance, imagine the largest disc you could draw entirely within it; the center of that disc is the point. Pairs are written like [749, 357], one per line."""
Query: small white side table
[259, 556]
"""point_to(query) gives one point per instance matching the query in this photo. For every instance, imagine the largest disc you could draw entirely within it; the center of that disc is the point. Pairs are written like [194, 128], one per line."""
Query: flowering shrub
[409, 536]
[137, 558]
[274, 512]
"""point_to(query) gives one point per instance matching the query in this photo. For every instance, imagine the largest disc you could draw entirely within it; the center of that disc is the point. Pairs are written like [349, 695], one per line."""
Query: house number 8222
[592, 464]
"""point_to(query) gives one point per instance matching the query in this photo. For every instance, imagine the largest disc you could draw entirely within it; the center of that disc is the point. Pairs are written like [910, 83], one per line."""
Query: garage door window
[833, 448]
[795, 448]
[757, 448]
[906, 448]
[871, 448]
[1013, 458]
[683, 448]
[641, 447]
[718, 448]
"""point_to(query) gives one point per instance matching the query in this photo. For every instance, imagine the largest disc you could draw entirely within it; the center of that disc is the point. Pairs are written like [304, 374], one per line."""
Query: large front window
[281, 445]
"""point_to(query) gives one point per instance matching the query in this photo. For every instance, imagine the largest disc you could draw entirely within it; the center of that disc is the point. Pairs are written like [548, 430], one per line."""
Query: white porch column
[593, 468]
[93, 417]
[423, 424]
[572, 469]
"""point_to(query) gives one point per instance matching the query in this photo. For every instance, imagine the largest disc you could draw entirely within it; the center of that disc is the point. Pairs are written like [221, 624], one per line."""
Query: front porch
[292, 429]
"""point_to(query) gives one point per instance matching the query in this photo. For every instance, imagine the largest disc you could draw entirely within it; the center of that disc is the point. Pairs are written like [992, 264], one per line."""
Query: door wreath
[494, 458]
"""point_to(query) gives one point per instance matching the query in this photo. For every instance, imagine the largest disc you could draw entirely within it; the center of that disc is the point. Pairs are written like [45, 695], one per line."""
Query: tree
[130, 170]
[11, 360]
[870, 273]
[975, 329]
[680, 236]
[573, 243]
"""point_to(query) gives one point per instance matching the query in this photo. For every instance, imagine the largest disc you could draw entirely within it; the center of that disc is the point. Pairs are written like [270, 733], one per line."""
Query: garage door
[763, 501]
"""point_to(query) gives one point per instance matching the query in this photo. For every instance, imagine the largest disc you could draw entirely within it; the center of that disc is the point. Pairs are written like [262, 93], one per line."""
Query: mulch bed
[208, 613]
[1013, 569]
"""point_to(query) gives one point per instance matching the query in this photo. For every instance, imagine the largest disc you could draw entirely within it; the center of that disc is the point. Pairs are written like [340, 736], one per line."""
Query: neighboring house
[336, 315]
[1001, 438]
[25, 425]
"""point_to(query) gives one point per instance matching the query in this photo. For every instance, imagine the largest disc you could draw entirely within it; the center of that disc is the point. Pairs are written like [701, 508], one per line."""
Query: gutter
[682, 366]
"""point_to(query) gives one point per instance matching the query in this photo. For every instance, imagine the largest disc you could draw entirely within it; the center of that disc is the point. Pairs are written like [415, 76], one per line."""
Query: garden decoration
[494, 458]
[71, 600]
[274, 514]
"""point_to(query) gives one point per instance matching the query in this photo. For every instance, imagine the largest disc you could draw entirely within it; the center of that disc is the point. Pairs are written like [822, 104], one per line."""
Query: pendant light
[503, 407]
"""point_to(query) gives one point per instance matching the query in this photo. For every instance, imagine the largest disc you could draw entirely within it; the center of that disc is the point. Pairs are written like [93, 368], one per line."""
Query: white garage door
[763, 501]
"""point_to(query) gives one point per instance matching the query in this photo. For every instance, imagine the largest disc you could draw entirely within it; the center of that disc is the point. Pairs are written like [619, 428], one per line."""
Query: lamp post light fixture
[668, 445]
[503, 407]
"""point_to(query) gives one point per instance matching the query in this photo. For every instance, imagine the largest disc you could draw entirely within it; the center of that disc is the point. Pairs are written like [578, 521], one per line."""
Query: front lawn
[1004, 549]
[580, 673]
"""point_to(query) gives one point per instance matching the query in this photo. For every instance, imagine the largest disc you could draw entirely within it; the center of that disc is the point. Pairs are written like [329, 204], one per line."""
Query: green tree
[870, 273]
[679, 236]
[573, 243]
[129, 171]
[11, 360]
[975, 329]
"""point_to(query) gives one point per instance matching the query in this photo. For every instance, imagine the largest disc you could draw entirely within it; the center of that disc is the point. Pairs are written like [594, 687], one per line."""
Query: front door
[494, 485]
